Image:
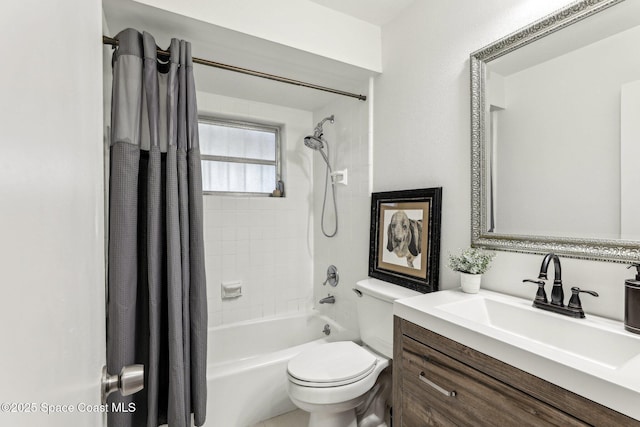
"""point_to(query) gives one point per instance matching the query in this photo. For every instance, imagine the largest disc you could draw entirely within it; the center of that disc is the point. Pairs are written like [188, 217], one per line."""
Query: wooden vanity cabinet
[440, 382]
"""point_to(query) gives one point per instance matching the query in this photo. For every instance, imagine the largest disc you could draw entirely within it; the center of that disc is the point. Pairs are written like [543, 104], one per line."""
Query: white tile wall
[266, 243]
[263, 243]
[349, 249]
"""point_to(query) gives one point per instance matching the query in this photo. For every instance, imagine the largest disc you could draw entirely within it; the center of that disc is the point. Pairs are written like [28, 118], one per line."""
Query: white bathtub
[246, 373]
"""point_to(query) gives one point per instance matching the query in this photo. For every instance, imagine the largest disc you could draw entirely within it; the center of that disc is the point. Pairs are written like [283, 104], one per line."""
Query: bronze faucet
[574, 308]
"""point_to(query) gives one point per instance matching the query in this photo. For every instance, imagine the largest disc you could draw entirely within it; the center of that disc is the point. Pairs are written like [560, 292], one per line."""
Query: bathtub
[247, 365]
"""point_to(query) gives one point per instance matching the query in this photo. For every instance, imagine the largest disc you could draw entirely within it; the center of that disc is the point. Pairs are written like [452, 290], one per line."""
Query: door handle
[130, 380]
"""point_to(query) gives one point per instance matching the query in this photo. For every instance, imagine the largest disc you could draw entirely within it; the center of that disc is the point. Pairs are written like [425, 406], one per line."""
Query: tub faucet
[329, 299]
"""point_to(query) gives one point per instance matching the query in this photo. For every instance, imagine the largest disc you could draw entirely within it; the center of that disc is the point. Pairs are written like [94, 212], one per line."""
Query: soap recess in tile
[231, 289]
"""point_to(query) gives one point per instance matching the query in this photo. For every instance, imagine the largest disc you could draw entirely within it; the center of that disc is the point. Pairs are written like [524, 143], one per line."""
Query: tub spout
[330, 299]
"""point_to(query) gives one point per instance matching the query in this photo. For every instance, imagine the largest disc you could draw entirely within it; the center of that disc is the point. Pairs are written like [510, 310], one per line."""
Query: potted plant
[471, 263]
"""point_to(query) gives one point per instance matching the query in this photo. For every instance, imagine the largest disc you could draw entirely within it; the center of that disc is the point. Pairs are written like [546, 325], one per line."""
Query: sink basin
[593, 357]
[581, 338]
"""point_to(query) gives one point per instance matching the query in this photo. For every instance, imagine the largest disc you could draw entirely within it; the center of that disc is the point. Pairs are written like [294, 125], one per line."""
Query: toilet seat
[331, 365]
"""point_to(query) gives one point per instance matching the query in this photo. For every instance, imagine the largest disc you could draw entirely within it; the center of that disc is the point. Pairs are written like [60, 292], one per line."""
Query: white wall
[51, 208]
[300, 24]
[422, 131]
[349, 249]
[264, 242]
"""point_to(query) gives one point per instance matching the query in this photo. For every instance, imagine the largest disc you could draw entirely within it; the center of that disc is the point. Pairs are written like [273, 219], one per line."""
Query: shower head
[315, 141]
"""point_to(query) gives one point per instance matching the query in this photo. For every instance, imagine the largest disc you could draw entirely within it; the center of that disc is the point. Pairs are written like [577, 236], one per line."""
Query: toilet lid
[332, 363]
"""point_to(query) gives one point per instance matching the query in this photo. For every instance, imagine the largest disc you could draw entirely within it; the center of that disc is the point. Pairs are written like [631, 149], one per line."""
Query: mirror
[556, 135]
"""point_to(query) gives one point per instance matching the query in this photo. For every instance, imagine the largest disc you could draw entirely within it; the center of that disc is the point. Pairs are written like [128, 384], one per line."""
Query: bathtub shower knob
[129, 381]
[327, 329]
[332, 276]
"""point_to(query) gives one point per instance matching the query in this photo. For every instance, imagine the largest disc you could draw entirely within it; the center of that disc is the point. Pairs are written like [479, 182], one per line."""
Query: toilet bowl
[332, 380]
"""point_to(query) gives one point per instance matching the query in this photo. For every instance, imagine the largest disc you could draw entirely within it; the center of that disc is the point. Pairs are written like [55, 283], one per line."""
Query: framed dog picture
[405, 238]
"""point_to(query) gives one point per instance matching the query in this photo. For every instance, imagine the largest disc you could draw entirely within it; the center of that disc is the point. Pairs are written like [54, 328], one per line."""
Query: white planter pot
[470, 282]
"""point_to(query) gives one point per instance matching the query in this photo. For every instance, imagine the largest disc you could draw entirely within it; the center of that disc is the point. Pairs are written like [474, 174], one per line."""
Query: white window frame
[243, 124]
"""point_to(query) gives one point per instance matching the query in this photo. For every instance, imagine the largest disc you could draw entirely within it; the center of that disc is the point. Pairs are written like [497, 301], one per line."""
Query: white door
[52, 317]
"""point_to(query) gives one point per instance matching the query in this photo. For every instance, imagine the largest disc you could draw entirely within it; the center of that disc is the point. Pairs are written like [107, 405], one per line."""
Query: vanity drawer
[441, 391]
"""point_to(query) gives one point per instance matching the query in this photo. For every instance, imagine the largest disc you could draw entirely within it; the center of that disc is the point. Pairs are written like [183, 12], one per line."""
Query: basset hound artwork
[405, 238]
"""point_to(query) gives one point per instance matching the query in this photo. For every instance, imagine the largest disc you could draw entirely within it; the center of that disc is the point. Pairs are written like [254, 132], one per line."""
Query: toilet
[332, 380]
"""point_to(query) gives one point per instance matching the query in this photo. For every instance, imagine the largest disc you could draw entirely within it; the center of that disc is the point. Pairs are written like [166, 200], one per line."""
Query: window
[239, 157]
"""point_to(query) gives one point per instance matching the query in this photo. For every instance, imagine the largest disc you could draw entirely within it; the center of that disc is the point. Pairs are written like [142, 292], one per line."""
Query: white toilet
[330, 381]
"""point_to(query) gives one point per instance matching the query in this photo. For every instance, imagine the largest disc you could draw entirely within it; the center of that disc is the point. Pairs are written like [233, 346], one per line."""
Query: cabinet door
[441, 391]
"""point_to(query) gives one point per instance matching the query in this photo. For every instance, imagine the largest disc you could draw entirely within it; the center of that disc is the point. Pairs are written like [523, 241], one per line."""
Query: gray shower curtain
[156, 303]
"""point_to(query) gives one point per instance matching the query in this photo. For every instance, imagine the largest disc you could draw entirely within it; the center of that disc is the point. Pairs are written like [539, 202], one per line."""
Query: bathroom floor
[295, 418]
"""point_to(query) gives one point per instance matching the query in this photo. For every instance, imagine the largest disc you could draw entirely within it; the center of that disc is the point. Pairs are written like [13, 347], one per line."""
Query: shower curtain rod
[113, 42]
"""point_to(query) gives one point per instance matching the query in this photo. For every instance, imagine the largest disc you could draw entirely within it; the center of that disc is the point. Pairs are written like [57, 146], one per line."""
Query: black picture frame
[404, 246]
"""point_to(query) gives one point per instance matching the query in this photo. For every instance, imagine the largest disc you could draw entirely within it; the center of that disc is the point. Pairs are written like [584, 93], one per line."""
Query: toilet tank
[375, 312]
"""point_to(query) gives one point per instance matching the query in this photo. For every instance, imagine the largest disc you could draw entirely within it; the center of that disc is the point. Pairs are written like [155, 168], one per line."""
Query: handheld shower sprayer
[315, 141]
[318, 143]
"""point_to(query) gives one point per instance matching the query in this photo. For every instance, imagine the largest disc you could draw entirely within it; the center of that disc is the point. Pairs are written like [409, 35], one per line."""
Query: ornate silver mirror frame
[587, 248]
